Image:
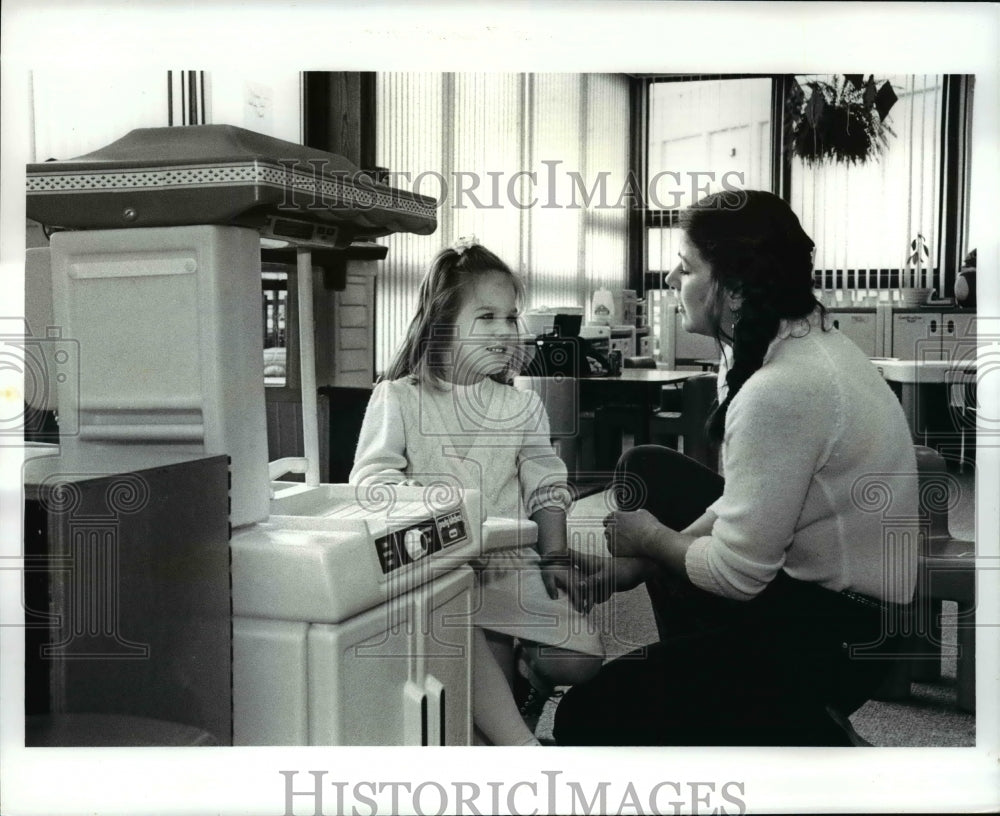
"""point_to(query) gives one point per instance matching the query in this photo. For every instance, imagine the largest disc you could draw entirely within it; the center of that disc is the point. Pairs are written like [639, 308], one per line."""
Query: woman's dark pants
[725, 672]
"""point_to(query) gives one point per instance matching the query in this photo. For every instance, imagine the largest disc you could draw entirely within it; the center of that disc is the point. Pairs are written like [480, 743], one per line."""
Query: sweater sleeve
[381, 452]
[541, 473]
[774, 444]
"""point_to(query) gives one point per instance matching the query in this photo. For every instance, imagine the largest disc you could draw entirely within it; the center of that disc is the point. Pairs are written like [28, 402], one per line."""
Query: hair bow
[463, 243]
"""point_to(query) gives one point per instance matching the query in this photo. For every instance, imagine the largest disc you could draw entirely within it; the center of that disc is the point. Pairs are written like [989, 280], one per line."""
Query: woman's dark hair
[453, 272]
[756, 249]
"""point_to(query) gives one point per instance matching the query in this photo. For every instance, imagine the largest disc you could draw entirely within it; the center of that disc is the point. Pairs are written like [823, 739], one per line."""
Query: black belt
[865, 600]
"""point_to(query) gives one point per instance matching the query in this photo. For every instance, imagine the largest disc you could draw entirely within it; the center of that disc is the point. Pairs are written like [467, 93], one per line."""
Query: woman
[777, 591]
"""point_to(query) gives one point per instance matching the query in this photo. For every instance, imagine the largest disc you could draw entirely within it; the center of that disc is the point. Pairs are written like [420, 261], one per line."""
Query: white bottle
[602, 307]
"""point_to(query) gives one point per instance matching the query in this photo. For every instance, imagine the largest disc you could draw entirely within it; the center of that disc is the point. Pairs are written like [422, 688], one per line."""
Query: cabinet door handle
[836, 324]
[934, 327]
[414, 714]
[438, 709]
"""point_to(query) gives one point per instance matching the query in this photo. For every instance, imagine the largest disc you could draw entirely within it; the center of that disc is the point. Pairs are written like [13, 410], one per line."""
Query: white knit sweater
[820, 476]
[488, 436]
[493, 438]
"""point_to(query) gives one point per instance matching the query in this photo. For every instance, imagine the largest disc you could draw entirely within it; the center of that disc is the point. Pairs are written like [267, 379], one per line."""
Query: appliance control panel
[300, 232]
[405, 545]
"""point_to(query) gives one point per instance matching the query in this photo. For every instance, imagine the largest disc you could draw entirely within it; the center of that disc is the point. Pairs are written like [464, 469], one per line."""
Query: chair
[569, 427]
[946, 571]
[688, 424]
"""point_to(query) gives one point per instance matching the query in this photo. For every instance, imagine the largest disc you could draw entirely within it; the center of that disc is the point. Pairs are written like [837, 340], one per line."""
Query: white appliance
[351, 613]
[623, 340]
[599, 337]
[916, 335]
[674, 346]
[861, 327]
[352, 617]
[166, 321]
[926, 334]
[644, 343]
[613, 308]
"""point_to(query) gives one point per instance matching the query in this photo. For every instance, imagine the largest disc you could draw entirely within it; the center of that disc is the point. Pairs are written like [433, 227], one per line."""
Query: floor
[928, 717]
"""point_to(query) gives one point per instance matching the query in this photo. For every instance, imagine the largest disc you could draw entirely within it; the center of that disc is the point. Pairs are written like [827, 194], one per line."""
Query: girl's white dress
[493, 438]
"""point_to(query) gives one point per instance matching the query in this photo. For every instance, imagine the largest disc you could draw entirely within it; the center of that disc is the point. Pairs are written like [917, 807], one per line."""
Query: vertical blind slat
[475, 124]
[863, 217]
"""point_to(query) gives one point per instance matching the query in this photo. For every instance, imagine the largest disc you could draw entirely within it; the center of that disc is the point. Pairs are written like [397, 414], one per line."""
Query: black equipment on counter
[555, 355]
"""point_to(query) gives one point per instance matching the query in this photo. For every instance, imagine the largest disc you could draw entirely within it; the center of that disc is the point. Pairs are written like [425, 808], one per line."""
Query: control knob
[415, 542]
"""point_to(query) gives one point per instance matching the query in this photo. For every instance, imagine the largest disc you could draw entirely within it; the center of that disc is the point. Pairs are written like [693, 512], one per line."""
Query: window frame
[956, 119]
[640, 277]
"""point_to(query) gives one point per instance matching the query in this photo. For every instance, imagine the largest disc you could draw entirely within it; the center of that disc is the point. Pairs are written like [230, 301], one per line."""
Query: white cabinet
[643, 342]
[399, 673]
[205, 392]
[916, 335]
[859, 327]
[674, 346]
[930, 335]
[344, 327]
[353, 328]
[623, 340]
[958, 335]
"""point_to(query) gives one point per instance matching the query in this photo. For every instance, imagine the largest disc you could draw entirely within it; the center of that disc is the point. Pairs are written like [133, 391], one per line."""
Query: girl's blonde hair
[453, 273]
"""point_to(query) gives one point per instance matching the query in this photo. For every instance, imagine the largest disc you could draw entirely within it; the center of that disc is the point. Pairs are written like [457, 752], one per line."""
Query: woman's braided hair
[756, 249]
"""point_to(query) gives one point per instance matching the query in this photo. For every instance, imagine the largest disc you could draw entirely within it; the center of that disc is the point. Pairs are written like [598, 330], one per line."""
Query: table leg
[608, 433]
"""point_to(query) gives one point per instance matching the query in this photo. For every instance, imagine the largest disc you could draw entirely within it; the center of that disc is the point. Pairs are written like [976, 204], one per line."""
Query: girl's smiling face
[487, 329]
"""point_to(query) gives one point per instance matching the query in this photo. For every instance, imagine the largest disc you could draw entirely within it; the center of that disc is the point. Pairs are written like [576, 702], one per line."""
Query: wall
[74, 113]
[268, 102]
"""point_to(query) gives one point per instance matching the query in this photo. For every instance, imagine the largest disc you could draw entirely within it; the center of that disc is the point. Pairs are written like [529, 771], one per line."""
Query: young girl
[446, 407]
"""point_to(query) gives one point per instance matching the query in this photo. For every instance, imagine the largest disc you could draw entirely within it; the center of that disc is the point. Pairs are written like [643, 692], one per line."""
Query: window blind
[410, 133]
[556, 235]
[509, 156]
[605, 229]
[863, 217]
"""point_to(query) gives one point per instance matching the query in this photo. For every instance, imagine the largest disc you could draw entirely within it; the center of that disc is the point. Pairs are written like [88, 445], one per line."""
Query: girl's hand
[555, 573]
[631, 533]
[555, 567]
[597, 578]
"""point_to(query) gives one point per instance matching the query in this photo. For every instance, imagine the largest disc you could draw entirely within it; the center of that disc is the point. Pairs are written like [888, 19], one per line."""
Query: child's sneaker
[530, 701]
[530, 693]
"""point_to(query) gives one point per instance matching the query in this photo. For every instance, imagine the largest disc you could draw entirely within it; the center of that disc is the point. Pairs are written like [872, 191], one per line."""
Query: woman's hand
[632, 533]
[596, 578]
